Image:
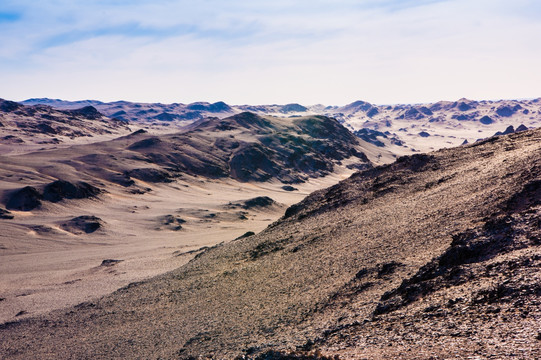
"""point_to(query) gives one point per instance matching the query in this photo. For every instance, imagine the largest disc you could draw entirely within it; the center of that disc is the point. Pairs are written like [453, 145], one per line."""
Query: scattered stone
[172, 222]
[289, 188]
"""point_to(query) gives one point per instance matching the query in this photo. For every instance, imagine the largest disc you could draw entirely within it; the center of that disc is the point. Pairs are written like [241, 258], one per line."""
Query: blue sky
[261, 52]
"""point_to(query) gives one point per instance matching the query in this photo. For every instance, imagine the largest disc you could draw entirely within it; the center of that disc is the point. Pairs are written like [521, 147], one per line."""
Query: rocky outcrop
[83, 224]
[61, 189]
[25, 199]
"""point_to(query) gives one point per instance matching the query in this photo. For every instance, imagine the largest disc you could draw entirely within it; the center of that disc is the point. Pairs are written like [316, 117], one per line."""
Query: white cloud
[264, 52]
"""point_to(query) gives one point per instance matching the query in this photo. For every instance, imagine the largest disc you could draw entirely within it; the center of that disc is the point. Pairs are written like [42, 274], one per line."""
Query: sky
[267, 52]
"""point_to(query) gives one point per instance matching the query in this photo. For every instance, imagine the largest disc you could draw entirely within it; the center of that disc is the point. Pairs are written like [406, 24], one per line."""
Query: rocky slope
[433, 256]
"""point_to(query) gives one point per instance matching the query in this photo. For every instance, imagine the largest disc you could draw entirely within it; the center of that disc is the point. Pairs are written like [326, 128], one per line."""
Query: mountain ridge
[401, 128]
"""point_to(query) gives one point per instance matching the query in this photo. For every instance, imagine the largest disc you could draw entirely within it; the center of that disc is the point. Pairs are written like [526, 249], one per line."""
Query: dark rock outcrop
[171, 222]
[289, 188]
[5, 214]
[372, 112]
[87, 112]
[83, 224]
[258, 202]
[486, 120]
[151, 175]
[426, 111]
[507, 111]
[9, 106]
[61, 189]
[25, 199]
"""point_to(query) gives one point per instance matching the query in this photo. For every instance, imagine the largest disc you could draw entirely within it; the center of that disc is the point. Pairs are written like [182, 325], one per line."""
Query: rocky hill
[433, 256]
[244, 147]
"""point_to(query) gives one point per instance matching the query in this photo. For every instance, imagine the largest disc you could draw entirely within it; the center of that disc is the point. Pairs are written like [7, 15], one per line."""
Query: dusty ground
[44, 267]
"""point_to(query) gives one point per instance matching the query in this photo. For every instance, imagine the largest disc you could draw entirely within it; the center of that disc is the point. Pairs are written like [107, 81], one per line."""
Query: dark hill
[433, 256]
[249, 147]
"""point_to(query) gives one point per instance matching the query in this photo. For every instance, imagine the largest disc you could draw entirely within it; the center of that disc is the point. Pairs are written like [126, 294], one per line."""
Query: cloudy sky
[262, 52]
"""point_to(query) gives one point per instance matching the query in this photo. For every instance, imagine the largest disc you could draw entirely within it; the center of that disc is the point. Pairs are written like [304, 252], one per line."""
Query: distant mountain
[448, 123]
[433, 256]
[426, 127]
[145, 112]
[62, 104]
